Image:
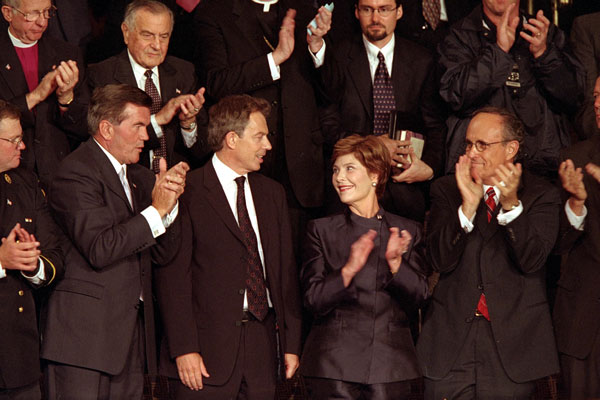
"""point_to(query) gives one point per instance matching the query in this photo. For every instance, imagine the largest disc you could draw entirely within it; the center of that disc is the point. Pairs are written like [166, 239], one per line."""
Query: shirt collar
[225, 174]
[138, 70]
[114, 162]
[18, 43]
[387, 50]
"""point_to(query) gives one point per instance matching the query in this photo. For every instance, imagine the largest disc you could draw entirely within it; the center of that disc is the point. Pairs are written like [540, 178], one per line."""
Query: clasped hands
[20, 250]
[506, 178]
[359, 252]
[404, 169]
[169, 185]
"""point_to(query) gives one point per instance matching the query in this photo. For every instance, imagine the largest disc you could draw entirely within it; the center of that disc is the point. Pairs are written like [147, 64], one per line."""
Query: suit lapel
[400, 75]
[360, 73]
[218, 201]
[123, 71]
[10, 68]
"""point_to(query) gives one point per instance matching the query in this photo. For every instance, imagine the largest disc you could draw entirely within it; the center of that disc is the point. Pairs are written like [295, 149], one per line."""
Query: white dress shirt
[504, 217]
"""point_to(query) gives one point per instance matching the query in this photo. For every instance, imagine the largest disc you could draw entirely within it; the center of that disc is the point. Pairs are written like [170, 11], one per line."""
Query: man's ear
[125, 30]
[231, 139]
[106, 130]
[512, 148]
[7, 13]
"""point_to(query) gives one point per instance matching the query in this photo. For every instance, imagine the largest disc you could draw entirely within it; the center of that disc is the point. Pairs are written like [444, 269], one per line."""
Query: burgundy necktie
[490, 205]
[255, 283]
[150, 89]
[431, 12]
[187, 5]
[383, 98]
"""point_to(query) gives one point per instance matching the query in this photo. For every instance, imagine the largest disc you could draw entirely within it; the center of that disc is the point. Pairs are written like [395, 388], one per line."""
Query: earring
[374, 184]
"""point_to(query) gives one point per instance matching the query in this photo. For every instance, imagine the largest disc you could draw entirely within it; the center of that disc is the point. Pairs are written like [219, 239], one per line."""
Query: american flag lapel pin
[177, 91]
[8, 67]
[9, 202]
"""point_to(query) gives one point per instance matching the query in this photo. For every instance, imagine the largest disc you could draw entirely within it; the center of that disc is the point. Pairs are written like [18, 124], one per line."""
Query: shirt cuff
[319, 57]
[190, 137]
[577, 221]
[2, 272]
[506, 217]
[466, 223]
[38, 278]
[154, 221]
[157, 129]
[275, 74]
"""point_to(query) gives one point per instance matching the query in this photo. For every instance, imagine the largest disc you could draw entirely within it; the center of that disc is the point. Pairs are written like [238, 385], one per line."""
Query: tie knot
[381, 57]
[490, 192]
[148, 73]
[240, 181]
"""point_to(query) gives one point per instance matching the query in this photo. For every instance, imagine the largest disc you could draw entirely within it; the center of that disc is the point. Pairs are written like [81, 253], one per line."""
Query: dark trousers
[67, 382]
[324, 389]
[582, 377]
[254, 375]
[29, 392]
[478, 372]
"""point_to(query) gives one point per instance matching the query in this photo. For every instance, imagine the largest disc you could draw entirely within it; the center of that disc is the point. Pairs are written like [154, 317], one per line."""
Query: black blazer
[577, 309]
[508, 264]
[93, 311]
[48, 134]
[22, 201]
[201, 292]
[232, 59]
[361, 333]
[176, 77]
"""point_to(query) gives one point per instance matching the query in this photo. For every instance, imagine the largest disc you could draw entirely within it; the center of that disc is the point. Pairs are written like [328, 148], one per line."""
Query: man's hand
[190, 106]
[507, 178]
[470, 187]
[593, 170]
[396, 246]
[417, 171]
[168, 187]
[572, 181]
[191, 369]
[44, 89]
[285, 47]
[19, 255]
[323, 19]
[66, 79]
[506, 30]
[359, 252]
[538, 27]
[292, 362]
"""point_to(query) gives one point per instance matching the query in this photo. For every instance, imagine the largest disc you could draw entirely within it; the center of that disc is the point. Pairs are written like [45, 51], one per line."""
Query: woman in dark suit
[362, 271]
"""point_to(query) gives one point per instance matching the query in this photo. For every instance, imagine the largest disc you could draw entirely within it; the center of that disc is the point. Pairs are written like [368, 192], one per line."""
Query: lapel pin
[9, 202]
[28, 220]
[7, 67]
[177, 91]
[7, 179]
[133, 184]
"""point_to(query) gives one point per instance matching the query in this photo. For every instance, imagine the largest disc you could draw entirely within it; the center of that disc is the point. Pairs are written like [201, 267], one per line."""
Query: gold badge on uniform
[28, 220]
[7, 179]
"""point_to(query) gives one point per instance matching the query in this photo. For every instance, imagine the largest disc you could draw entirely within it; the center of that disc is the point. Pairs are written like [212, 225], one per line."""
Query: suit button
[274, 103]
[238, 323]
[241, 291]
[480, 286]
[20, 309]
[21, 293]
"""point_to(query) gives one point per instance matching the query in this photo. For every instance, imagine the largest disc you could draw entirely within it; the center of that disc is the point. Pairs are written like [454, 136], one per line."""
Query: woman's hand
[397, 245]
[359, 252]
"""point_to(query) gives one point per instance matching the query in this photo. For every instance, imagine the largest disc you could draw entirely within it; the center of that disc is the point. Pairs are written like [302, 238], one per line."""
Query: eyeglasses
[33, 16]
[16, 141]
[367, 11]
[480, 145]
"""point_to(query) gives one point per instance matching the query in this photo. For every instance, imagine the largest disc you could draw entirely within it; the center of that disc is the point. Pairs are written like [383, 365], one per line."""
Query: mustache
[375, 24]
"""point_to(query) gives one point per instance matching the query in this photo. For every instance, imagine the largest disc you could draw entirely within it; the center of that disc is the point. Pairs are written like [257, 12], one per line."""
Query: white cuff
[506, 217]
[577, 221]
[275, 72]
[2, 272]
[157, 129]
[466, 223]
[38, 278]
[190, 137]
[154, 221]
[319, 58]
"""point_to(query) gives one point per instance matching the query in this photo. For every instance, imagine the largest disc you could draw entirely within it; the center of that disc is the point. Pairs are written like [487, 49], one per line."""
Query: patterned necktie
[431, 12]
[255, 282]
[150, 89]
[490, 203]
[383, 98]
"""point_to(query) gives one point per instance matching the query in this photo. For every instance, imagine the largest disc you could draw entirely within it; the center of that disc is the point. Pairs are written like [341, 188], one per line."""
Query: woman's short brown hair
[370, 152]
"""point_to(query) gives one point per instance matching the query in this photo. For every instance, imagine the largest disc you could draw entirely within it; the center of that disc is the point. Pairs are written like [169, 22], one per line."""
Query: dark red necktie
[383, 98]
[187, 5]
[490, 205]
[255, 283]
[151, 90]
[431, 12]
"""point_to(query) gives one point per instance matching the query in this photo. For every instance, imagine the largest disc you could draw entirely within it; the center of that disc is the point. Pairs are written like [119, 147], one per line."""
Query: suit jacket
[48, 134]
[577, 310]
[346, 78]
[201, 292]
[232, 59]
[93, 311]
[176, 77]
[22, 201]
[585, 41]
[72, 22]
[361, 333]
[507, 264]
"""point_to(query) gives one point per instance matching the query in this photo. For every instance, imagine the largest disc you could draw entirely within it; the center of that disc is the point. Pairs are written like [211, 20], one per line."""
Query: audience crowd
[368, 196]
